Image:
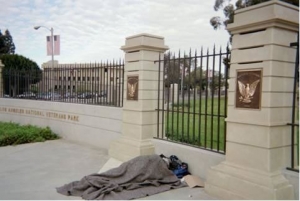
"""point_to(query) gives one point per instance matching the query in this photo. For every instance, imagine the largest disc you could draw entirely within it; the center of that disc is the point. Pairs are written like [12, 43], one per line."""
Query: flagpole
[52, 46]
[52, 55]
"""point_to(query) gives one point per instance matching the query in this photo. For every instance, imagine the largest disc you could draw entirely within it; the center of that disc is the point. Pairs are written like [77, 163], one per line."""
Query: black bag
[179, 168]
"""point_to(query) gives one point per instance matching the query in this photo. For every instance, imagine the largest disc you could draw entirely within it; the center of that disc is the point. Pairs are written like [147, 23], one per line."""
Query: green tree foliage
[193, 77]
[3, 48]
[7, 45]
[199, 79]
[173, 66]
[228, 10]
[19, 73]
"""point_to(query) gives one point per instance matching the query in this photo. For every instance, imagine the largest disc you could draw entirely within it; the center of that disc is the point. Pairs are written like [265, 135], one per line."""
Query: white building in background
[74, 79]
[80, 77]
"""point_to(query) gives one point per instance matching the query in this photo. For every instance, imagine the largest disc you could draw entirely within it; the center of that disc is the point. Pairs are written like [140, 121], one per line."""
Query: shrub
[13, 134]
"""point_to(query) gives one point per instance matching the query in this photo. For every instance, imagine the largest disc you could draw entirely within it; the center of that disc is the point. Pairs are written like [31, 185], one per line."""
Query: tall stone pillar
[259, 105]
[1, 79]
[140, 96]
[173, 93]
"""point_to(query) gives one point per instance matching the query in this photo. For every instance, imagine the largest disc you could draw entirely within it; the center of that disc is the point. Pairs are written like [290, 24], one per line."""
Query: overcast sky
[94, 30]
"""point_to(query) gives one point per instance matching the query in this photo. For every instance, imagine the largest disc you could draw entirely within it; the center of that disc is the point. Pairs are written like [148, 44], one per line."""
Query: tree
[228, 10]
[3, 48]
[8, 40]
[19, 73]
[7, 45]
[198, 79]
[173, 67]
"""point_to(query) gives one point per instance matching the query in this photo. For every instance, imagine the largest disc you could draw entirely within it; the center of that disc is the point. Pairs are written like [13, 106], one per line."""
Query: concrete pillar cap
[144, 41]
[269, 14]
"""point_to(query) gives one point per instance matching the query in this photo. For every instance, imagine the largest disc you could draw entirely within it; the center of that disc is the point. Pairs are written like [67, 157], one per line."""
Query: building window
[74, 78]
[59, 87]
[55, 87]
[68, 86]
[88, 79]
[78, 78]
[97, 78]
[93, 78]
[83, 78]
[69, 78]
[73, 86]
[64, 78]
[59, 78]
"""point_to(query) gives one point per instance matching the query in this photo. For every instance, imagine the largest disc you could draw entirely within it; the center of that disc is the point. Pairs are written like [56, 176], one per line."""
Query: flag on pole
[49, 45]
[56, 45]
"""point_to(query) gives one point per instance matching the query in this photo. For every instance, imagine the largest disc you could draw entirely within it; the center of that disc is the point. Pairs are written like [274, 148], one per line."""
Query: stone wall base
[226, 181]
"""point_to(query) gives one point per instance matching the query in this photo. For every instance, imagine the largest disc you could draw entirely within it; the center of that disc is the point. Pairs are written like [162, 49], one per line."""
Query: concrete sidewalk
[33, 171]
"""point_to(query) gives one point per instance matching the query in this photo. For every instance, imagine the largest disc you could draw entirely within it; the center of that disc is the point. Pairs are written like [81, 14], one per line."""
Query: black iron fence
[94, 83]
[193, 104]
[295, 115]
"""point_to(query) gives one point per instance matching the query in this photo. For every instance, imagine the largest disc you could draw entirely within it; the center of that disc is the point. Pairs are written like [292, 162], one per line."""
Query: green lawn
[203, 130]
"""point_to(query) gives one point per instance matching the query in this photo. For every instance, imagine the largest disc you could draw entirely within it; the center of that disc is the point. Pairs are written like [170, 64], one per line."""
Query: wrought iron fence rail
[194, 113]
[204, 114]
[295, 108]
[94, 83]
[195, 57]
[190, 145]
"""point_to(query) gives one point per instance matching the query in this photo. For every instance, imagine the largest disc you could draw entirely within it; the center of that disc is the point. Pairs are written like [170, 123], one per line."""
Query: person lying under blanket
[139, 177]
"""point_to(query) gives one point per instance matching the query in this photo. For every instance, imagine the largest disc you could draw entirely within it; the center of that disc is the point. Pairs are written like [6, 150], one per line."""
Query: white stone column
[1, 79]
[139, 116]
[175, 86]
[258, 140]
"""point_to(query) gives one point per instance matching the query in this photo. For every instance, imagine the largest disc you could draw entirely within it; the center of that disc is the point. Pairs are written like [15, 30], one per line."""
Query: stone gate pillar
[259, 105]
[140, 96]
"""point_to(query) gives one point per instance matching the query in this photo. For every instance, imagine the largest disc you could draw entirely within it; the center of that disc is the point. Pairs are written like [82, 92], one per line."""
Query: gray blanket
[136, 178]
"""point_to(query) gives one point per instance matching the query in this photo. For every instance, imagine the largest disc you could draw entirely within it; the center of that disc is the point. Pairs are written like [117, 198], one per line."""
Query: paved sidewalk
[33, 171]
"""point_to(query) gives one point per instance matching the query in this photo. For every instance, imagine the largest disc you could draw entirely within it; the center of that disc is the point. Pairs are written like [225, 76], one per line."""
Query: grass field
[203, 130]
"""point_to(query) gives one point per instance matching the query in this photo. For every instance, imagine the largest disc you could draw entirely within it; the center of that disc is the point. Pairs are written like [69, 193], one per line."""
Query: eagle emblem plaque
[132, 87]
[248, 89]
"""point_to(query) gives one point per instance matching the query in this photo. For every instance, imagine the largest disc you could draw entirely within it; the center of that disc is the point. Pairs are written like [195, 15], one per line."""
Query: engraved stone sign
[248, 89]
[132, 87]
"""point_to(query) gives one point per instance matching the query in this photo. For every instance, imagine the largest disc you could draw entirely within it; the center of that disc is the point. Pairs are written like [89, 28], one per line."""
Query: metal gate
[192, 99]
